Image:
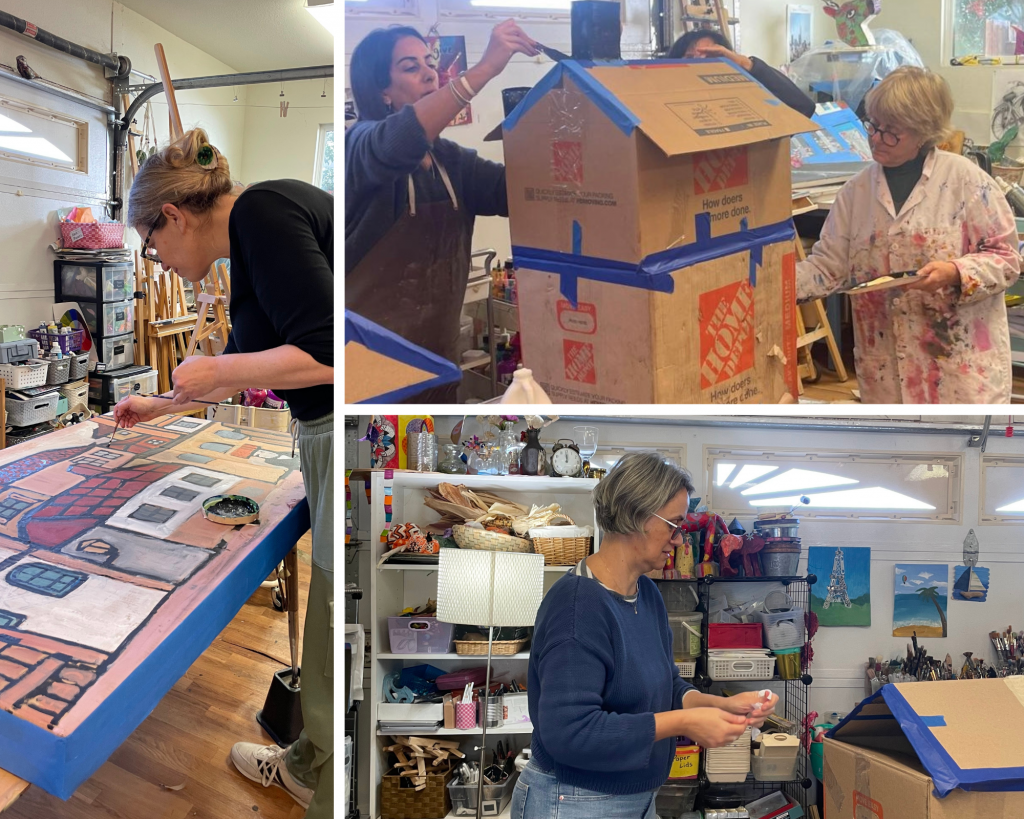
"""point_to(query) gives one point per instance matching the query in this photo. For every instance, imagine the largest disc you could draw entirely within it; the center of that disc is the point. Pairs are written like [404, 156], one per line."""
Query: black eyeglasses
[146, 252]
[676, 528]
[887, 137]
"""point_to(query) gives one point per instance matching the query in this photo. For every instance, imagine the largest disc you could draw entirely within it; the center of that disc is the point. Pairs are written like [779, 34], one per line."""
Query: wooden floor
[187, 738]
[830, 390]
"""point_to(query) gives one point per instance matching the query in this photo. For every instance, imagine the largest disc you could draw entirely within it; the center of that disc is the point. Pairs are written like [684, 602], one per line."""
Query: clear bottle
[451, 464]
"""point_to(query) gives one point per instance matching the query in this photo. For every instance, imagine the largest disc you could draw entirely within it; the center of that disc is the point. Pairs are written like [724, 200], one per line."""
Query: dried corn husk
[538, 516]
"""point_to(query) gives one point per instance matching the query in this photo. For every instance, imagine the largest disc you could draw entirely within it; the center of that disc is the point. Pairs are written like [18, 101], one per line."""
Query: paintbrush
[171, 398]
[117, 426]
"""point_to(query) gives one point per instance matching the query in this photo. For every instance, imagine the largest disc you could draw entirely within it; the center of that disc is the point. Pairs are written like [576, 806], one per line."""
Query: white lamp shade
[483, 588]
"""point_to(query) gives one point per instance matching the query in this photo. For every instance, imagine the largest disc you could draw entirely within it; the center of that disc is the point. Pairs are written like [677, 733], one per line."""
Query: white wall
[840, 654]
[277, 147]
[762, 33]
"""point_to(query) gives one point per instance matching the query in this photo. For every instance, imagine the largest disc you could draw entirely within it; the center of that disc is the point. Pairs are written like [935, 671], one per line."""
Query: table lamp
[490, 589]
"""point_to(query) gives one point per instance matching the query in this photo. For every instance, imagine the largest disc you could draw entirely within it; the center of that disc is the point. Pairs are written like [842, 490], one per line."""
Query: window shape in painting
[8, 619]
[194, 458]
[187, 424]
[153, 514]
[180, 493]
[11, 507]
[43, 579]
[201, 480]
[213, 447]
[230, 433]
[96, 549]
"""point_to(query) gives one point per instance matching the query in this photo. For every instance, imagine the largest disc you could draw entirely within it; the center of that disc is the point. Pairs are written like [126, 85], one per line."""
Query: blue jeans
[539, 795]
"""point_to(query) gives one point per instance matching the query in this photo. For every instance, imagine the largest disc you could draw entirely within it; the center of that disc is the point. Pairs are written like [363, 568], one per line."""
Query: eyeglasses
[676, 528]
[888, 137]
[147, 252]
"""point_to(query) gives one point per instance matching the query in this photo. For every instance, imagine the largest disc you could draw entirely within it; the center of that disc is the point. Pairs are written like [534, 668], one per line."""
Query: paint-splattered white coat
[913, 347]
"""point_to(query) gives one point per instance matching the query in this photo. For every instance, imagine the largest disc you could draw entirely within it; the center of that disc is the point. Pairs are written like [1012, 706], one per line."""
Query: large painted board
[112, 582]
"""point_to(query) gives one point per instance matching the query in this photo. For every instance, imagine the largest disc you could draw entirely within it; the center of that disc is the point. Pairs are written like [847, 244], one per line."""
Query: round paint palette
[231, 510]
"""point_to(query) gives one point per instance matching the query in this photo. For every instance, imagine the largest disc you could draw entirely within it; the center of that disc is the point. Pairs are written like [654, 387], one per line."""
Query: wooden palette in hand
[882, 283]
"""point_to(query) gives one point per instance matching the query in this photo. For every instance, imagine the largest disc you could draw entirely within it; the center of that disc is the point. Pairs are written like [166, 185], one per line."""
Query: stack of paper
[730, 763]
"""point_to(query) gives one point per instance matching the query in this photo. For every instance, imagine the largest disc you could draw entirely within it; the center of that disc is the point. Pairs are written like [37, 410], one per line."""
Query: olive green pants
[310, 758]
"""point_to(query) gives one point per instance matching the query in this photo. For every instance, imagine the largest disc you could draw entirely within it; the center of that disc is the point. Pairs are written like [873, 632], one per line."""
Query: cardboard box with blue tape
[649, 207]
[929, 750]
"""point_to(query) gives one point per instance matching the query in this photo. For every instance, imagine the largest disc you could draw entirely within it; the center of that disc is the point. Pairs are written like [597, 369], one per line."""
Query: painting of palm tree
[920, 600]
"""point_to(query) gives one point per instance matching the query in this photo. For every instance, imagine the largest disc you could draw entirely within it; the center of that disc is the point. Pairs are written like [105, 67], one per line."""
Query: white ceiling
[248, 35]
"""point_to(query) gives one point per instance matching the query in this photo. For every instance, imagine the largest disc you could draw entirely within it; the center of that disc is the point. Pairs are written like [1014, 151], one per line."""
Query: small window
[153, 514]
[8, 619]
[608, 455]
[1002, 489]
[179, 493]
[323, 173]
[210, 446]
[839, 486]
[201, 480]
[194, 458]
[11, 507]
[986, 27]
[44, 579]
[39, 137]
[183, 424]
[229, 433]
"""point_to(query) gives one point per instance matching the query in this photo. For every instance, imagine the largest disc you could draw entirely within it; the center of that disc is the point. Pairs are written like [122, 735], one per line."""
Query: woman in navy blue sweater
[606, 699]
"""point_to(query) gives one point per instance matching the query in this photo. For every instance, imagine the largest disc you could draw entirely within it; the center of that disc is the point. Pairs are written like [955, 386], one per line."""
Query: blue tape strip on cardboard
[60, 764]
[934, 722]
[385, 342]
[605, 100]
[655, 271]
[946, 775]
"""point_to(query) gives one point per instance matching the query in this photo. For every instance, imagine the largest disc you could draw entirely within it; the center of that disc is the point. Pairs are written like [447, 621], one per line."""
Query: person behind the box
[411, 198]
[605, 697]
[944, 338]
[707, 43]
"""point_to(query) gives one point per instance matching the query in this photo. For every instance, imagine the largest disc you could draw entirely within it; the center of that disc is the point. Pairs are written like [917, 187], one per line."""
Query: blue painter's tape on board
[934, 722]
[577, 238]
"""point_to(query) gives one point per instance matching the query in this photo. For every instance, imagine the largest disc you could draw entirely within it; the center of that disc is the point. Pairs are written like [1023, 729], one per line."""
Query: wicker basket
[433, 802]
[562, 551]
[488, 541]
[478, 648]
[1011, 173]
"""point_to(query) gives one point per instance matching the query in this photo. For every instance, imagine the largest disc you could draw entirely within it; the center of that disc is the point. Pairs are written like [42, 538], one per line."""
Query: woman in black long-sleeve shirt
[710, 43]
[411, 199]
[279, 237]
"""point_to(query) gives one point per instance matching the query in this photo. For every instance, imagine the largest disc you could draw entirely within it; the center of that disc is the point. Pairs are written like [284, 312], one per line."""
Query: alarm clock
[566, 461]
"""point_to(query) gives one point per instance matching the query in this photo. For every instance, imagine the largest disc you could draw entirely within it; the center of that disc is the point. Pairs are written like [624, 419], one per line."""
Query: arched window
[44, 579]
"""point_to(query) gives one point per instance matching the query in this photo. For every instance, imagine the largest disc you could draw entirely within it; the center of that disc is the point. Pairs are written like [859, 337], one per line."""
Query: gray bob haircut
[637, 486]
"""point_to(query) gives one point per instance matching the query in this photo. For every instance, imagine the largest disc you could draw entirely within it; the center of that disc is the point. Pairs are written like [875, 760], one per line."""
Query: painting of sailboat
[971, 583]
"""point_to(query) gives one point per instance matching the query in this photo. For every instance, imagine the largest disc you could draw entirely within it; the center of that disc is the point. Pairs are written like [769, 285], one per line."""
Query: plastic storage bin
[747, 668]
[31, 373]
[109, 319]
[20, 350]
[57, 371]
[734, 635]
[420, 635]
[26, 412]
[672, 801]
[79, 366]
[783, 629]
[495, 797]
[66, 342]
[686, 634]
[111, 387]
[788, 661]
[117, 351]
[77, 395]
[116, 281]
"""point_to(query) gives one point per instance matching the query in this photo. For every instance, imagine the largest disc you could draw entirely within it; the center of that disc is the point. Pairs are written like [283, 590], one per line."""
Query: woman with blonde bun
[279, 236]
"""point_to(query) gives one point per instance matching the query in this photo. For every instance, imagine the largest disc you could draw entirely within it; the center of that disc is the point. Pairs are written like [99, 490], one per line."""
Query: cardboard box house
[929, 750]
[650, 213]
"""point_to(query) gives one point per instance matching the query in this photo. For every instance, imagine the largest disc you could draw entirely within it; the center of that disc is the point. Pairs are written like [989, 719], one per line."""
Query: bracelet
[462, 102]
[465, 84]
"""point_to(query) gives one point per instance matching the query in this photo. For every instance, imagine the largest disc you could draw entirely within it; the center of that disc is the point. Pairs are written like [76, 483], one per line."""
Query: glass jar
[451, 463]
[508, 450]
[487, 460]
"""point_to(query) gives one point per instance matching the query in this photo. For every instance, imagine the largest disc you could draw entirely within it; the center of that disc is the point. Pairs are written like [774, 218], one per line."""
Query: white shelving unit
[394, 587]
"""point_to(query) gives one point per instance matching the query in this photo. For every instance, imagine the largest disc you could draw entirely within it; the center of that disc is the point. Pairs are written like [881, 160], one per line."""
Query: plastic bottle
[524, 390]
[55, 352]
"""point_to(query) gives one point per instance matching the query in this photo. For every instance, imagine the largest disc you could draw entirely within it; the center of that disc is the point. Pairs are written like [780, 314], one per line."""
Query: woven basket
[1011, 173]
[478, 648]
[562, 551]
[488, 541]
[433, 802]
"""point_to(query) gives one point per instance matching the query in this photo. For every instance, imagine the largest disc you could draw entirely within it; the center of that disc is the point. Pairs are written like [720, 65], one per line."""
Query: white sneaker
[265, 764]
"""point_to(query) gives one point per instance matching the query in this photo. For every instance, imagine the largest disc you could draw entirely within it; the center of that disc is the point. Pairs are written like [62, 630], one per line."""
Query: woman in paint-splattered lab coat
[944, 338]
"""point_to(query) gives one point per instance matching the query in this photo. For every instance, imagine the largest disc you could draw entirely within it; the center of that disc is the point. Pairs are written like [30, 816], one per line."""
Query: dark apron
[413, 281]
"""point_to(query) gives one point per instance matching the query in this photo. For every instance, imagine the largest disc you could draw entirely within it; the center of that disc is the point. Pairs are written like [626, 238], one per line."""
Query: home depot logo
[718, 170]
[567, 162]
[726, 317]
[864, 807]
[579, 361]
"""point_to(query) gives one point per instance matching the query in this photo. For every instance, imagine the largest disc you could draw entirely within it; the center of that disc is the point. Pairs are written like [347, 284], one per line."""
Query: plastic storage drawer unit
[117, 351]
[110, 319]
[109, 388]
[116, 281]
[495, 797]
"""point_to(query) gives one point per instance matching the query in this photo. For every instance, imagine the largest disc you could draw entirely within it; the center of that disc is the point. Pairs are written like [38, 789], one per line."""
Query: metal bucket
[780, 564]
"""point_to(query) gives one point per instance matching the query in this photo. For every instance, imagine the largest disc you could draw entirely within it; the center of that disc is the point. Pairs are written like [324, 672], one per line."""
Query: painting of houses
[104, 548]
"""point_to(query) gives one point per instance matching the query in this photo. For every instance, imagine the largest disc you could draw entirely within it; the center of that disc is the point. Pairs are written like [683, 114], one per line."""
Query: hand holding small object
[936, 275]
[195, 377]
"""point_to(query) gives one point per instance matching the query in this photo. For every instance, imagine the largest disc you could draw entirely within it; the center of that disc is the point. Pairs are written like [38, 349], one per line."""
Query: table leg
[291, 587]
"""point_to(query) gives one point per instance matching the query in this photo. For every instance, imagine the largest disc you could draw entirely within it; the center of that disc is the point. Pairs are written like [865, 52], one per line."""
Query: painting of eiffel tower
[842, 595]
[837, 583]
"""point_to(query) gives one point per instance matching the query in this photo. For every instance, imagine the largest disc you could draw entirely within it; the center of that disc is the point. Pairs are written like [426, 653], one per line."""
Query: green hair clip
[205, 155]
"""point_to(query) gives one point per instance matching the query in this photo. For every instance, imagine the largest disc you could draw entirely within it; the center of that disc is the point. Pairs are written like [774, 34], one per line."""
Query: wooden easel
[219, 327]
[812, 314]
[699, 14]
